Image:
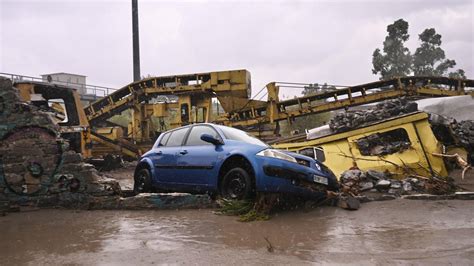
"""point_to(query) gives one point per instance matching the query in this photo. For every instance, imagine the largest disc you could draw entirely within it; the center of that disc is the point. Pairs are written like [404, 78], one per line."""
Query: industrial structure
[160, 103]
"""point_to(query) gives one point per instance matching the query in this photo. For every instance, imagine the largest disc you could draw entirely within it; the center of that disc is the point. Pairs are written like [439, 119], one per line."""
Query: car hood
[298, 156]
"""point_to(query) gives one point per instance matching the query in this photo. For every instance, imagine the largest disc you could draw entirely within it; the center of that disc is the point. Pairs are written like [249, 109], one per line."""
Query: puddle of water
[377, 233]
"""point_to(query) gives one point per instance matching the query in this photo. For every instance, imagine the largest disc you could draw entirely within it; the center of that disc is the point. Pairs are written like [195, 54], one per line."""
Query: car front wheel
[236, 185]
[142, 181]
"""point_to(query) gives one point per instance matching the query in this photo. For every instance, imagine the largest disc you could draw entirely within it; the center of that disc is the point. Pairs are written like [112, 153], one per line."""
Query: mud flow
[397, 232]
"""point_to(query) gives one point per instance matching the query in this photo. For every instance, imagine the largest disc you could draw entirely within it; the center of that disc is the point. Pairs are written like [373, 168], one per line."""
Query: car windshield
[236, 134]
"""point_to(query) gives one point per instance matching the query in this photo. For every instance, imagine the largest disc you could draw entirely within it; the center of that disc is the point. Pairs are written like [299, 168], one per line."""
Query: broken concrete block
[351, 175]
[407, 187]
[383, 185]
[376, 175]
[395, 184]
[364, 186]
[464, 195]
[349, 203]
[394, 191]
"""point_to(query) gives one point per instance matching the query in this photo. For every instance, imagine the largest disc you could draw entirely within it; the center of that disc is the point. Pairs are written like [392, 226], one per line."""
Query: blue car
[215, 159]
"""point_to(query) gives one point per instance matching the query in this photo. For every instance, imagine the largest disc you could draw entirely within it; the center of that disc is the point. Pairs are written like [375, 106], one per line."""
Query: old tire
[236, 185]
[142, 182]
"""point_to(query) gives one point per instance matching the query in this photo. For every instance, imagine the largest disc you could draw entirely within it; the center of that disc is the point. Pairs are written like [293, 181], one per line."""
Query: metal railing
[86, 89]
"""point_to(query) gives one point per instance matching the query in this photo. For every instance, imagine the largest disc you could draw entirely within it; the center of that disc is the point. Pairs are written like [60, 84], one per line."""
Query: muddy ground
[394, 232]
[123, 175]
[389, 232]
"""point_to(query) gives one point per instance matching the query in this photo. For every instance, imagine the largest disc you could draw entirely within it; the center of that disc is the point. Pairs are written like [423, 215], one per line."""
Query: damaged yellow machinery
[342, 151]
[157, 104]
[194, 93]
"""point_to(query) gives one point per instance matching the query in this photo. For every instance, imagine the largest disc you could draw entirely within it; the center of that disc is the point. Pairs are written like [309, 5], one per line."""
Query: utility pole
[136, 44]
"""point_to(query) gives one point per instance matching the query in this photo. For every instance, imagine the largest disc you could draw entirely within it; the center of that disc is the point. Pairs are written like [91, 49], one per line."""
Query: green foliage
[429, 59]
[396, 60]
[235, 207]
[459, 74]
[242, 208]
[253, 215]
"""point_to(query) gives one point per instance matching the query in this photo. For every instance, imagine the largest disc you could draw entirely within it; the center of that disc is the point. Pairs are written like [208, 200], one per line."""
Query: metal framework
[232, 89]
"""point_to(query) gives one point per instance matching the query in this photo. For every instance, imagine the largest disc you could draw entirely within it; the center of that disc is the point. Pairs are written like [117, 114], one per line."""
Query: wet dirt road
[393, 232]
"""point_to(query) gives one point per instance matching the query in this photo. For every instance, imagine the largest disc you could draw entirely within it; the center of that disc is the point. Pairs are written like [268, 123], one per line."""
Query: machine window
[194, 137]
[176, 138]
[316, 153]
[389, 142]
[319, 154]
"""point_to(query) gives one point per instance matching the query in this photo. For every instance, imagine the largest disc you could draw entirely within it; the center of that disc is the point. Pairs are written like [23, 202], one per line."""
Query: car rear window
[177, 136]
[164, 139]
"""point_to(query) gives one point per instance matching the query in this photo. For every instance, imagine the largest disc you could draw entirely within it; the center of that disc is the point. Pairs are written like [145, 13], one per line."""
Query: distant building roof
[63, 73]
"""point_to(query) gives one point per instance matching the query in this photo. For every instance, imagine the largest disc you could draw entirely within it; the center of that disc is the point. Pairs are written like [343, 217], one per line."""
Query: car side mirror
[211, 139]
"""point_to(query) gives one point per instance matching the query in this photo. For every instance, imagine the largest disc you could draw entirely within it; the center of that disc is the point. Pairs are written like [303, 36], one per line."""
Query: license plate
[320, 179]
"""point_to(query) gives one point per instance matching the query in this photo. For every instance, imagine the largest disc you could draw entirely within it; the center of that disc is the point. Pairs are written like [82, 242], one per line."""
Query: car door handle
[183, 152]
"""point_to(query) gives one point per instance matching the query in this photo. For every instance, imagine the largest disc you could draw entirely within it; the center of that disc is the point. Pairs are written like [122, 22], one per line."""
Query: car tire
[236, 185]
[142, 182]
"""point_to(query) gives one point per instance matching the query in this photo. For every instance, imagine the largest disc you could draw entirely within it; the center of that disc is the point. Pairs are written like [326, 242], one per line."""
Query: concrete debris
[349, 203]
[36, 165]
[464, 131]
[364, 186]
[383, 185]
[375, 185]
[349, 120]
[376, 175]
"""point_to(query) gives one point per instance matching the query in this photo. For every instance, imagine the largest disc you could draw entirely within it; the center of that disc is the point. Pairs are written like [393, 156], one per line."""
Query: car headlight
[277, 154]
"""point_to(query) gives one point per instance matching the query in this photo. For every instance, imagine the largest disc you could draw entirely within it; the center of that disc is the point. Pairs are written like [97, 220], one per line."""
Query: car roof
[190, 125]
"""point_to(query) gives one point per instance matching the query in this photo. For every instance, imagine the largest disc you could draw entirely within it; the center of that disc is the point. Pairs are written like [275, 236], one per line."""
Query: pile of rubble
[36, 166]
[464, 132]
[376, 185]
[345, 121]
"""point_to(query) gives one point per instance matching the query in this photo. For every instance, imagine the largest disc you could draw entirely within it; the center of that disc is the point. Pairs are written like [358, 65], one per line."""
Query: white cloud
[314, 41]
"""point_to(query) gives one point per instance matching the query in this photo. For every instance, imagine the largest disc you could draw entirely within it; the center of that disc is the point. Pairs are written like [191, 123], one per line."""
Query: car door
[166, 154]
[198, 159]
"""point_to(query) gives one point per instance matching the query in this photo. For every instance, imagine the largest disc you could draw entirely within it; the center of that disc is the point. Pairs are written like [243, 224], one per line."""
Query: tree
[430, 59]
[396, 59]
[459, 74]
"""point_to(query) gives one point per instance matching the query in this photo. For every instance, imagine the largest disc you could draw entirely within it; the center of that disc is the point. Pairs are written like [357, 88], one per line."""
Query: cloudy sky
[298, 41]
